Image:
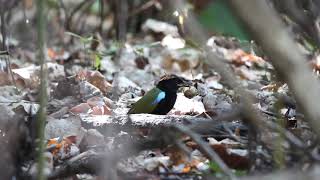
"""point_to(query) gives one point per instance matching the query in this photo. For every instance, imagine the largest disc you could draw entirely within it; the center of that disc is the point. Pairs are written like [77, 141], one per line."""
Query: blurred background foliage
[217, 17]
[110, 17]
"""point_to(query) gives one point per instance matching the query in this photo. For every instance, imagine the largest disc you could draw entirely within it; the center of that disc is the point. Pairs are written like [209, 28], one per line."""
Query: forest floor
[92, 84]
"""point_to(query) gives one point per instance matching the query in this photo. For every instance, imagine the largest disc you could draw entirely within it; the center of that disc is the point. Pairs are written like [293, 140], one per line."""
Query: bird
[161, 99]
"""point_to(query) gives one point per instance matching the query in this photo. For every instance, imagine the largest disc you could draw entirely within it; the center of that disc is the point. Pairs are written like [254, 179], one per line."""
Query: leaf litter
[80, 95]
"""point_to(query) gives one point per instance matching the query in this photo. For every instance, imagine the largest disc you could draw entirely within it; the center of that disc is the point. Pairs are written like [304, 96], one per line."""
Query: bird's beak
[185, 83]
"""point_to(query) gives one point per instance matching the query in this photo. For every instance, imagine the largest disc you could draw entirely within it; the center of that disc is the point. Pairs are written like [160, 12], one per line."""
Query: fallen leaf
[154, 162]
[81, 108]
[95, 101]
[160, 27]
[101, 110]
[240, 57]
[63, 148]
[245, 73]
[172, 42]
[31, 74]
[96, 79]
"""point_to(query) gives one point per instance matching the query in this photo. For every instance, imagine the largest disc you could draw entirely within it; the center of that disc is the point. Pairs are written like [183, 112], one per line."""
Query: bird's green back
[145, 104]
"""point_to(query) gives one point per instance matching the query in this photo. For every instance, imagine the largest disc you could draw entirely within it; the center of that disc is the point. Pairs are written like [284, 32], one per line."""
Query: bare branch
[284, 54]
[206, 149]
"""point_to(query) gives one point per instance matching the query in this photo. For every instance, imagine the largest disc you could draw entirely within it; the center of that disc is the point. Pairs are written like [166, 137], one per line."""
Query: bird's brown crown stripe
[166, 77]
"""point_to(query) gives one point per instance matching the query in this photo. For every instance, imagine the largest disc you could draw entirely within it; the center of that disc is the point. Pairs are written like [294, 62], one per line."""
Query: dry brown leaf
[63, 148]
[234, 161]
[81, 108]
[101, 110]
[97, 79]
[240, 57]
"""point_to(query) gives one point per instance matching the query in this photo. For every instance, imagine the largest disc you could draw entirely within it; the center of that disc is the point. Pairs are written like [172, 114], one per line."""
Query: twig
[3, 31]
[143, 7]
[284, 54]
[4, 53]
[291, 174]
[121, 18]
[5, 48]
[73, 12]
[250, 115]
[160, 137]
[306, 19]
[86, 162]
[94, 162]
[101, 10]
[43, 86]
[206, 149]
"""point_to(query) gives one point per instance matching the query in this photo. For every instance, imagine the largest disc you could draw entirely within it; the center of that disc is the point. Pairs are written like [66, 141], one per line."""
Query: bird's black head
[171, 83]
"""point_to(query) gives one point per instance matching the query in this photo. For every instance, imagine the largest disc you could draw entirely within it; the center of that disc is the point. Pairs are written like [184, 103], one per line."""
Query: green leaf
[74, 35]
[113, 48]
[219, 18]
[239, 173]
[97, 61]
[84, 40]
[53, 4]
[219, 173]
[88, 39]
[214, 167]
[95, 7]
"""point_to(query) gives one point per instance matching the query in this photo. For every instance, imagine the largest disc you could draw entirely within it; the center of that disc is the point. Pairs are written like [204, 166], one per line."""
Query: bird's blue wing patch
[160, 96]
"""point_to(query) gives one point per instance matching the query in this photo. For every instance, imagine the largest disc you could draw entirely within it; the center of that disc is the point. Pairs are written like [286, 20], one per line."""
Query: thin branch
[101, 11]
[143, 7]
[206, 149]
[200, 36]
[284, 54]
[43, 86]
[121, 19]
[68, 22]
[250, 115]
[5, 47]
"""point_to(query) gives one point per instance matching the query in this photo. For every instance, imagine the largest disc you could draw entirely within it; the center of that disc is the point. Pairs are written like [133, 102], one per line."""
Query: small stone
[63, 127]
[92, 138]
[191, 92]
